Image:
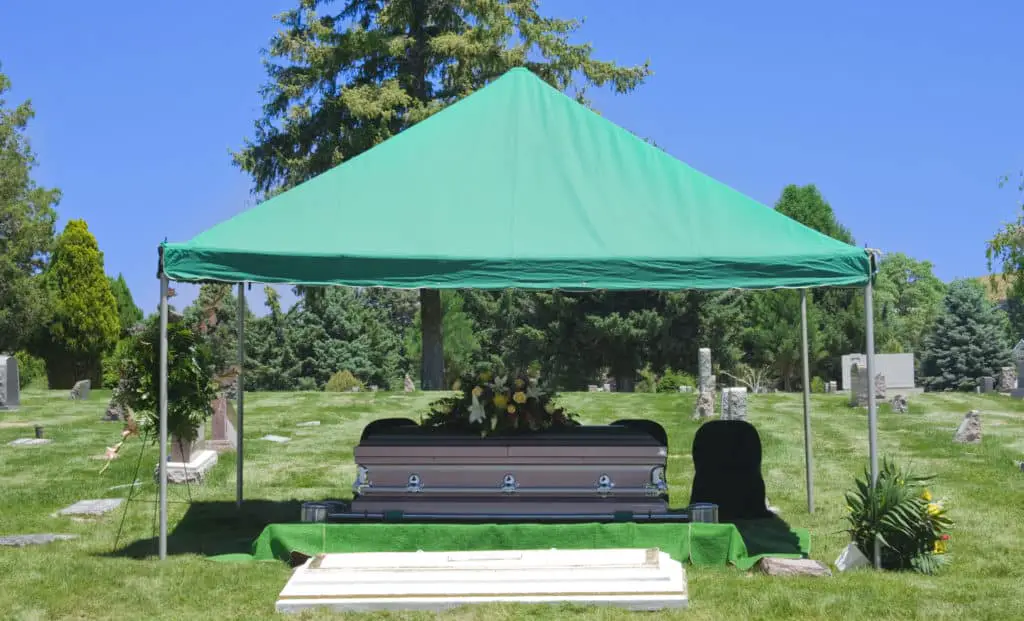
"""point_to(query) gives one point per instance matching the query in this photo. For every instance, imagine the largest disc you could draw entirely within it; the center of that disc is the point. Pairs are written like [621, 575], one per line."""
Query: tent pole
[240, 398]
[808, 454]
[163, 416]
[869, 313]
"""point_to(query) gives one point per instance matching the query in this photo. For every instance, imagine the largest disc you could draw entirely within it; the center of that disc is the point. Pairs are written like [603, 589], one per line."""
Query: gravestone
[92, 507]
[734, 403]
[20, 541]
[859, 386]
[828, 387]
[309, 423]
[29, 442]
[704, 369]
[223, 437]
[1007, 380]
[969, 431]
[80, 391]
[705, 405]
[899, 404]
[793, 567]
[409, 386]
[9, 383]
[1019, 392]
[986, 383]
[273, 438]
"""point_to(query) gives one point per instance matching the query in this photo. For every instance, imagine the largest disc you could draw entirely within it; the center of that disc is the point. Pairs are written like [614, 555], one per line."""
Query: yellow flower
[940, 547]
[519, 397]
[520, 383]
[478, 391]
[500, 401]
[511, 409]
[926, 496]
[934, 508]
[486, 376]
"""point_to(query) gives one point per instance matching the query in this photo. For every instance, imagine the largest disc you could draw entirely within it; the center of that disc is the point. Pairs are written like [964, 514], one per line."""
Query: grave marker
[9, 383]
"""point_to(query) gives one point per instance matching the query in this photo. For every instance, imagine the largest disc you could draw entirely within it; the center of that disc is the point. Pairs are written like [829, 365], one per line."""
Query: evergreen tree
[346, 76]
[968, 340]
[27, 218]
[129, 315]
[85, 323]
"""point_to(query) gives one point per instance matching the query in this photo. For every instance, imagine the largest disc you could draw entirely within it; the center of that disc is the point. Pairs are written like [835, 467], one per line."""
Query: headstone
[987, 384]
[899, 404]
[734, 403]
[92, 507]
[29, 442]
[114, 412]
[224, 437]
[828, 387]
[858, 386]
[898, 369]
[9, 383]
[1018, 352]
[593, 388]
[880, 386]
[409, 386]
[969, 431]
[80, 391]
[1019, 392]
[793, 567]
[1007, 380]
[273, 438]
[310, 423]
[685, 388]
[192, 471]
[705, 405]
[20, 541]
[834, 386]
[704, 369]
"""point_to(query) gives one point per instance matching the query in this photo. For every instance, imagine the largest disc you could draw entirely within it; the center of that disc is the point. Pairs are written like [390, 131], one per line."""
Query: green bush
[31, 370]
[342, 381]
[817, 384]
[901, 515]
[671, 381]
[306, 384]
[648, 380]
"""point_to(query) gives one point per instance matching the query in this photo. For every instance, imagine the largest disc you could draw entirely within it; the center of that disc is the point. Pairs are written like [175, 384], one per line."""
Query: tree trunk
[432, 368]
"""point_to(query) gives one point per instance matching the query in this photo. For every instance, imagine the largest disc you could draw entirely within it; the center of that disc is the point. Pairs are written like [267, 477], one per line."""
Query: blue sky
[904, 114]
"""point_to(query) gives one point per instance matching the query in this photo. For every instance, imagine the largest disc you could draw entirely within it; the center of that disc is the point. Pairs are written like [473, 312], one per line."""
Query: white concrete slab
[29, 442]
[635, 579]
[273, 438]
[97, 506]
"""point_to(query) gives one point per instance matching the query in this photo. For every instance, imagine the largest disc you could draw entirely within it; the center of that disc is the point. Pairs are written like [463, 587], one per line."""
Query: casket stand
[600, 473]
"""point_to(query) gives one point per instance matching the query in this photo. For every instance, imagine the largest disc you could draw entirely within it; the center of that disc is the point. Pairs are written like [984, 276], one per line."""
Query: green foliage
[31, 370]
[899, 514]
[342, 381]
[492, 405]
[127, 312]
[305, 384]
[648, 380]
[190, 385]
[968, 340]
[113, 362]
[85, 322]
[344, 80]
[214, 314]
[27, 218]
[908, 299]
[817, 384]
[671, 380]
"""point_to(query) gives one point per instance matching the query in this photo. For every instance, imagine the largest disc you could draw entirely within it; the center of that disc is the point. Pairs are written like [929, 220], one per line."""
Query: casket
[583, 471]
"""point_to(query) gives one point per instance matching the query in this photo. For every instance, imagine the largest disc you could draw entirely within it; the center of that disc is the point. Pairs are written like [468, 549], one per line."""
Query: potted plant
[190, 384]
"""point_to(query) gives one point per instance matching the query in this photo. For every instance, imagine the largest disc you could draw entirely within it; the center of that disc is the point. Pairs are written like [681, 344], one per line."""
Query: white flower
[532, 392]
[499, 384]
[476, 411]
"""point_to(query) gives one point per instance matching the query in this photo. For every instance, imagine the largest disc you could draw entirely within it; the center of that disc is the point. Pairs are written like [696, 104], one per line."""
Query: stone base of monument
[597, 470]
[192, 471]
[635, 579]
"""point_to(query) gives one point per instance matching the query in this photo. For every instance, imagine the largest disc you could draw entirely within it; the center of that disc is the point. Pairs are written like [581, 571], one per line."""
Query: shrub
[671, 381]
[306, 384]
[817, 384]
[648, 381]
[31, 370]
[901, 515]
[342, 381]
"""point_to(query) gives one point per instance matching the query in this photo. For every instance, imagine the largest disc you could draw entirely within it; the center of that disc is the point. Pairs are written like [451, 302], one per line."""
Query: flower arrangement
[903, 517]
[492, 405]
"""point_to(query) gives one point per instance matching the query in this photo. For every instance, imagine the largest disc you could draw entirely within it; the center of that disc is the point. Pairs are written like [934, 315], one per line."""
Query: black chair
[650, 427]
[727, 470]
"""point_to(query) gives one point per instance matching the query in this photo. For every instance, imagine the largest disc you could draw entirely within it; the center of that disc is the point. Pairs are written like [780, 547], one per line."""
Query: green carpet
[741, 544]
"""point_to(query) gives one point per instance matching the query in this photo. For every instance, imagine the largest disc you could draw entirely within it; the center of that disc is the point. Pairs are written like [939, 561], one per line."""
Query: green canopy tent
[515, 186]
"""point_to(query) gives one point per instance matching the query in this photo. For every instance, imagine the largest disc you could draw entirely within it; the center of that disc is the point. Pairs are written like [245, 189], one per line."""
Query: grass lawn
[90, 578]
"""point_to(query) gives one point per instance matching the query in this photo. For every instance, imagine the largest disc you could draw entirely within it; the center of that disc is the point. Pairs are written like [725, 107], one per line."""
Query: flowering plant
[902, 516]
[488, 404]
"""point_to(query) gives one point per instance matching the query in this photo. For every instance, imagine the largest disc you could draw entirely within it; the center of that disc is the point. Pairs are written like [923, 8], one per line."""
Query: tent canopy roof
[516, 185]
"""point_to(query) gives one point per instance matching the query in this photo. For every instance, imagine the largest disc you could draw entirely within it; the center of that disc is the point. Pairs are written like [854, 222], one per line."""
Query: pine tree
[967, 342]
[129, 315]
[85, 322]
[345, 76]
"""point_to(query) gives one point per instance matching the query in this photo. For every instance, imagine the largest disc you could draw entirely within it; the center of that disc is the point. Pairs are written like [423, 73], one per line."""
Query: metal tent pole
[808, 455]
[869, 313]
[240, 398]
[163, 417]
